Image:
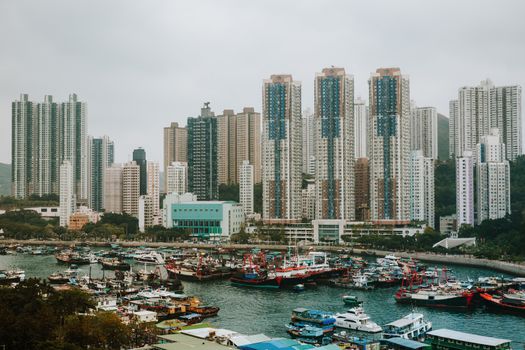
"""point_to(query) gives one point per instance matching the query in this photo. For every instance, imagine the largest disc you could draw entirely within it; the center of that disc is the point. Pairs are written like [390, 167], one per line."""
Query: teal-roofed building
[215, 220]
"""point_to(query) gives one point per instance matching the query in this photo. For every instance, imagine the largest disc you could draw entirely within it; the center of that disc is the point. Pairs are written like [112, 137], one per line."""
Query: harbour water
[250, 311]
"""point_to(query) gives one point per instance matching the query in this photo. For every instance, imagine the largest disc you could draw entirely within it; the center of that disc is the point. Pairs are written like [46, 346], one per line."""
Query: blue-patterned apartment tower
[334, 123]
[282, 153]
[389, 137]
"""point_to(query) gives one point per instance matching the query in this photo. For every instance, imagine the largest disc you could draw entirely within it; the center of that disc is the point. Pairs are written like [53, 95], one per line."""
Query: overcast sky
[143, 64]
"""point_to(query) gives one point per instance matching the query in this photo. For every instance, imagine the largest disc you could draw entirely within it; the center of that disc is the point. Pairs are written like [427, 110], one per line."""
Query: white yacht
[151, 257]
[413, 326]
[356, 319]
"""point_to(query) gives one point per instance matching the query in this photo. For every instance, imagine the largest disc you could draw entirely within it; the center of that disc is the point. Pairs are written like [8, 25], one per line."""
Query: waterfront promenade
[513, 268]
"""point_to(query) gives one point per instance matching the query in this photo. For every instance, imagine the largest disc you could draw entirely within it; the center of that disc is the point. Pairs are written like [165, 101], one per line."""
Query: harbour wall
[467, 260]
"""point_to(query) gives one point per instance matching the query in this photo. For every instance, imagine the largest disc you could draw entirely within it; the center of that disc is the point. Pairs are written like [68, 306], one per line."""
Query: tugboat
[413, 327]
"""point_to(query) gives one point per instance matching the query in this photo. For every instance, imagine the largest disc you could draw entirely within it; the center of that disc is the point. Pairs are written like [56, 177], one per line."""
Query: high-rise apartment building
[424, 131]
[362, 189]
[139, 157]
[246, 187]
[334, 129]
[465, 189]
[175, 147]
[360, 128]
[308, 124]
[227, 147]
[480, 108]
[389, 139]
[282, 154]
[131, 188]
[73, 133]
[43, 136]
[67, 194]
[308, 199]
[493, 178]
[47, 147]
[239, 139]
[249, 140]
[177, 178]
[505, 114]
[202, 155]
[146, 216]
[101, 153]
[22, 146]
[153, 189]
[112, 189]
[422, 197]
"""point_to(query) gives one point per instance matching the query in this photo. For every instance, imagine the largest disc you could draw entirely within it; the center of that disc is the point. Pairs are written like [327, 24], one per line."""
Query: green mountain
[5, 179]
[442, 137]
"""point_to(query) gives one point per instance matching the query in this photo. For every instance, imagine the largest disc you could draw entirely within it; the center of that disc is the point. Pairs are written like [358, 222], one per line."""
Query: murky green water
[250, 311]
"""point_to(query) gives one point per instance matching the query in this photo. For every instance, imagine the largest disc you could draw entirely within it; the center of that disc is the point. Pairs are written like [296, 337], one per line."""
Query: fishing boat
[114, 264]
[308, 333]
[435, 297]
[312, 316]
[58, 278]
[68, 257]
[351, 301]
[356, 319]
[11, 276]
[513, 303]
[413, 326]
[191, 318]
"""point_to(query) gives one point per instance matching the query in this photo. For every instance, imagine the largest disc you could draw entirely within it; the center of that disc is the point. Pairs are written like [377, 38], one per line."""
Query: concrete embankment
[503, 266]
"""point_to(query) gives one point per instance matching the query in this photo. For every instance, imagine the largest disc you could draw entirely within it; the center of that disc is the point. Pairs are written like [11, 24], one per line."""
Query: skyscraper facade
[47, 147]
[202, 155]
[249, 140]
[493, 178]
[422, 197]
[112, 189]
[146, 216]
[67, 194]
[227, 147]
[22, 147]
[73, 133]
[131, 188]
[424, 131]
[389, 136]
[480, 108]
[153, 189]
[465, 189]
[308, 125]
[360, 128]
[101, 156]
[334, 125]
[139, 157]
[177, 178]
[239, 139]
[43, 136]
[246, 187]
[175, 147]
[282, 154]
[362, 190]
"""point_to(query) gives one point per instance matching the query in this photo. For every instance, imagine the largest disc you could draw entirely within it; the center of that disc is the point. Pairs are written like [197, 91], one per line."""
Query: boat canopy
[405, 343]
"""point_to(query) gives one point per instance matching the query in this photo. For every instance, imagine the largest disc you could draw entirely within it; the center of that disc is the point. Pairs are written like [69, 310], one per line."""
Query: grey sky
[143, 64]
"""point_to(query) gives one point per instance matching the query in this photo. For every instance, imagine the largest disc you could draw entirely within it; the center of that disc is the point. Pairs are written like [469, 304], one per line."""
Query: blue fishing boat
[312, 316]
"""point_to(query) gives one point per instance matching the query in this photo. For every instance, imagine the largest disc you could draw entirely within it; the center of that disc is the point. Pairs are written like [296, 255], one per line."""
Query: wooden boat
[508, 303]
